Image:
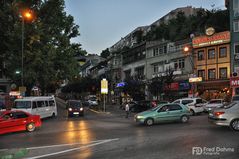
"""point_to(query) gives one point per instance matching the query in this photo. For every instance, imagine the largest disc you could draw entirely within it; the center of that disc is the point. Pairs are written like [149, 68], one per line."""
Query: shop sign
[210, 31]
[218, 38]
[104, 86]
[172, 86]
[234, 82]
[184, 86]
[195, 79]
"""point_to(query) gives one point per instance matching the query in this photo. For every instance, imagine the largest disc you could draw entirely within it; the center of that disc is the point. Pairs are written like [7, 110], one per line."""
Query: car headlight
[140, 117]
[70, 109]
[81, 109]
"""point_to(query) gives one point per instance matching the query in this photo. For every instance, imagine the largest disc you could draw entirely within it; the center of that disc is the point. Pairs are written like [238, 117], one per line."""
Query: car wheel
[184, 119]
[235, 124]
[149, 122]
[30, 127]
[192, 112]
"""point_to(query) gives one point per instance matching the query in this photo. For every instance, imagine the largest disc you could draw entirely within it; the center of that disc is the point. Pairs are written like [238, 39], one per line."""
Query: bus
[45, 106]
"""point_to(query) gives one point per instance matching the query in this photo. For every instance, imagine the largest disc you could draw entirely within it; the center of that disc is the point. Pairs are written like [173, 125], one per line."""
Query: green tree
[105, 53]
[48, 52]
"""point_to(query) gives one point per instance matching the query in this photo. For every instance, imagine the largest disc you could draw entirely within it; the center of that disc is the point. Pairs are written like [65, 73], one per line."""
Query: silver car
[227, 116]
[213, 104]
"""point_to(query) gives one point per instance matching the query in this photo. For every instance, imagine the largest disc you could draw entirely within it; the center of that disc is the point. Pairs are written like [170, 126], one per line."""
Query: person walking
[127, 110]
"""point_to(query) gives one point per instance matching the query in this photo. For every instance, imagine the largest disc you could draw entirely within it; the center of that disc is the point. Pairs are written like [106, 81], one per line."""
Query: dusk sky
[103, 22]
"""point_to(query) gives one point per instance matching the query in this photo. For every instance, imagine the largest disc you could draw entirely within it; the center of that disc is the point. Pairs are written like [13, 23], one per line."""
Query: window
[40, 104]
[174, 107]
[223, 72]
[34, 105]
[222, 52]
[177, 101]
[200, 55]
[236, 26]
[156, 51]
[181, 63]
[236, 49]
[201, 73]
[175, 65]
[19, 115]
[211, 54]
[236, 7]
[187, 101]
[156, 68]
[51, 103]
[211, 74]
[22, 104]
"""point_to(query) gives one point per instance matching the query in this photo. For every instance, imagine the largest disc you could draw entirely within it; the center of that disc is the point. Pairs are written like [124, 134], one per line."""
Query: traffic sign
[104, 86]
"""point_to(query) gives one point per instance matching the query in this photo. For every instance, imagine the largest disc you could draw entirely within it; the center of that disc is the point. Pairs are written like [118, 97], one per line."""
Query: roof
[34, 98]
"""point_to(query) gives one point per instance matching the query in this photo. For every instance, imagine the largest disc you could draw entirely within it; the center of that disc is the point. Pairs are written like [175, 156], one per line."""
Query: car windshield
[215, 101]
[92, 98]
[231, 105]
[235, 98]
[22, 104]
[74, 104]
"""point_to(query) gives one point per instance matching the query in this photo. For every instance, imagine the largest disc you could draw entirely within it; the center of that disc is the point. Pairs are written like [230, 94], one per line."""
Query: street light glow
[27, 15]
[186, 49]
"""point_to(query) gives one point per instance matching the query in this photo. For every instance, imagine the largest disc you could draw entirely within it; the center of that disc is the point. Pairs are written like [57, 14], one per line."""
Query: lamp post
[26, 16]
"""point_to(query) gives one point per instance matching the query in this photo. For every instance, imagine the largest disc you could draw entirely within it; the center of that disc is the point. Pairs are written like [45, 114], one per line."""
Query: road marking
[60, 145]
[49, 146]
[74, 149]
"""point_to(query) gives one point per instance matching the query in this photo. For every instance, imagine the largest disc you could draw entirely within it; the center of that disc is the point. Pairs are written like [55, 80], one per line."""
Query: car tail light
[218, 113]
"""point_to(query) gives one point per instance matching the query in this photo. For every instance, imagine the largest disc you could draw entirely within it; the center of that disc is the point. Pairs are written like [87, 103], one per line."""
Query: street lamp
[26, 15]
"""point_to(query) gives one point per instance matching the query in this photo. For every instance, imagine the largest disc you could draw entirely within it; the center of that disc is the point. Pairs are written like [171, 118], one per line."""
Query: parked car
[227, 116]
[75, 108]
[12, 121]
[164, 113]
[235, 98]
[214, 104]
[140, 106]
[93, 101]
[196, 105]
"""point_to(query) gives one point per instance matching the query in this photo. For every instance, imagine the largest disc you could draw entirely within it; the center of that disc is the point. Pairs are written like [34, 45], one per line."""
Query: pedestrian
[127, 110]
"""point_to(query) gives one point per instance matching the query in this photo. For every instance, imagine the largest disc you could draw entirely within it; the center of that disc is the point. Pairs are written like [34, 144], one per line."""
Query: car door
[20, 118]
[175, 112]
[7, 123]
[162, 114]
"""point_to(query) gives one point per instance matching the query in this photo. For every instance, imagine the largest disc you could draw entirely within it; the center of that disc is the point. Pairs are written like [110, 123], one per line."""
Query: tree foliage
[48, 53]
[105, 53]
[181, 27]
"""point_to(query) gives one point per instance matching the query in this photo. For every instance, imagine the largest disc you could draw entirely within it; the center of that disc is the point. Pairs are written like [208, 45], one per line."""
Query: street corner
[13, 153]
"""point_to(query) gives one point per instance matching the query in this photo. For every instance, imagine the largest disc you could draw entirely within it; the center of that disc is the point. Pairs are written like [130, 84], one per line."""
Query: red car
[11, 121]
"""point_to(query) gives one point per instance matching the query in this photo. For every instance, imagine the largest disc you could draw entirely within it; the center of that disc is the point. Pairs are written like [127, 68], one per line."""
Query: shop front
[214, 89]
[234, 84]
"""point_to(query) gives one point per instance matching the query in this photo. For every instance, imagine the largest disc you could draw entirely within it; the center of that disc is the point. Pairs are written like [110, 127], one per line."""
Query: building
[213, 63]
[233, 7]
[162, 56]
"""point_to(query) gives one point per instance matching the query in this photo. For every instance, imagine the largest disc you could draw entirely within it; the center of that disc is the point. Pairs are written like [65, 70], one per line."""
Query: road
[112, 136]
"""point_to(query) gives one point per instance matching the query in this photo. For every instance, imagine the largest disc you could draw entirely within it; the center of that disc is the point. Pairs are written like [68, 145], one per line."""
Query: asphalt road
[112, 136]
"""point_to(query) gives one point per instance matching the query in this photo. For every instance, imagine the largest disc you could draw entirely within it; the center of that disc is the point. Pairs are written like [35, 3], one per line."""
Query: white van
[45, 106]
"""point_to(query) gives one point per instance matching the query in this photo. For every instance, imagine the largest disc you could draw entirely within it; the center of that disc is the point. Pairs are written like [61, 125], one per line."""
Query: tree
[48, 52]
[105, 53]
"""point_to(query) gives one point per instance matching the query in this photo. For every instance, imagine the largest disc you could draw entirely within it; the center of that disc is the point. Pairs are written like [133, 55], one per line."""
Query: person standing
[127, 110]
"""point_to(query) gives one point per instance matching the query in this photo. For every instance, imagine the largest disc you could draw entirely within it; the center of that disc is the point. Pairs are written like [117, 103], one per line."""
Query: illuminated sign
[210, 31]
[14, 93]
[218, 38]
[234, 82]
[121, 84]
[104, 86]
[195, 79]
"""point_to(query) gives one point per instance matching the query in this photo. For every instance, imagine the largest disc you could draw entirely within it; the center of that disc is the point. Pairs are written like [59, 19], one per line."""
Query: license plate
[76, 113]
